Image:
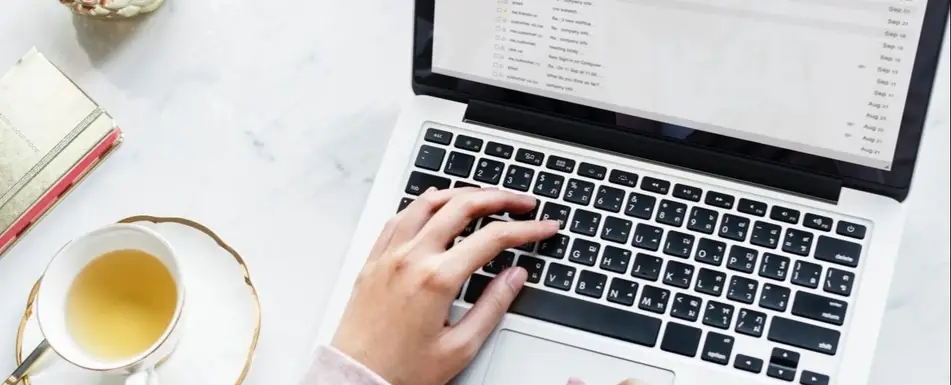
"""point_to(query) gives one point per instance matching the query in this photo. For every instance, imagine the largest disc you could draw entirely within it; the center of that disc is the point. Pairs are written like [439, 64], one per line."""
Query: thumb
[632, 382]
[485, 315]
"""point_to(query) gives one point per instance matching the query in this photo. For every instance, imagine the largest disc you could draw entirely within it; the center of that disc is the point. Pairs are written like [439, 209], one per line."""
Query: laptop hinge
[620, 141]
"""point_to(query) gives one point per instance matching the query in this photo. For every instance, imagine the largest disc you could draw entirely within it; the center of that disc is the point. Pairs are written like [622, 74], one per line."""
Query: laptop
[729, 176]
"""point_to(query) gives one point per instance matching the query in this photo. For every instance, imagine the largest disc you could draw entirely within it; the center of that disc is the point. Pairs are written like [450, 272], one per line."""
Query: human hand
[396, 323]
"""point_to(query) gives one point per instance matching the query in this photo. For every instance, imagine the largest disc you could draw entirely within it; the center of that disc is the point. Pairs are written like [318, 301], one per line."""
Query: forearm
[331, 367]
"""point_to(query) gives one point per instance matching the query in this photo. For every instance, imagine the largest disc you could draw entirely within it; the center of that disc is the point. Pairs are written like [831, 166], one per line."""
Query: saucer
[222, 319]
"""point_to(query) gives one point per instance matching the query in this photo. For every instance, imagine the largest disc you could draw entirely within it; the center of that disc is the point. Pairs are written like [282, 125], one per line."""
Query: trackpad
[520, 359]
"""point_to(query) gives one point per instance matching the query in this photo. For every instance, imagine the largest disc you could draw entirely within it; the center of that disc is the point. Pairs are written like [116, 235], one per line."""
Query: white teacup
[64, 320]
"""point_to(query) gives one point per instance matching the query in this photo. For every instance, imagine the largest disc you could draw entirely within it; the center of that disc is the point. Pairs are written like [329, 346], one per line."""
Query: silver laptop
[729, 176]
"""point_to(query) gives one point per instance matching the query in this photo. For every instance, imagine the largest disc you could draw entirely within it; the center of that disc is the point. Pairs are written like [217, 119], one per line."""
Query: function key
[438, 136]
[690, 193]
[558, 163]
[720, 200]
[592, 171]
[500, 150]
[430, 157]
[623, 178]
[469, 143]
[783, 214]
[655, 185]
[749, 206]
[529, 156]
[817, 222]
[850, 229]
[748, 364]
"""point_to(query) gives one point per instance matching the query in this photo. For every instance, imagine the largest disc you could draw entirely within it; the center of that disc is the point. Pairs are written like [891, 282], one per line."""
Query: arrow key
[783, 364]
[748, 364]
[781, 372]
[813, 378]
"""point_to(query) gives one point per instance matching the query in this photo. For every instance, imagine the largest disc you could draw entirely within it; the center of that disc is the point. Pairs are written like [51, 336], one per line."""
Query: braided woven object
[112, 9]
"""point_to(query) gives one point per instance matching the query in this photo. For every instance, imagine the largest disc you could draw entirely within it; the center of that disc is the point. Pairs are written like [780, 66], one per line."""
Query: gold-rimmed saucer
[221, 326]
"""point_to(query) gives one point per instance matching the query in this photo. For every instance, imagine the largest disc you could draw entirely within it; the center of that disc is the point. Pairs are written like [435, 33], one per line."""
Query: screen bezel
[894, 183]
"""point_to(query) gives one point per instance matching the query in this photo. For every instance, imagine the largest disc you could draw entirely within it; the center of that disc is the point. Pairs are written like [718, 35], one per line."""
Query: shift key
[803, 335]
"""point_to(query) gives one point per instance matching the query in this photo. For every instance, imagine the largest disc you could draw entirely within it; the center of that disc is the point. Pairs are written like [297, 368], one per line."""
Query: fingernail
[515, 277]
[553, 224]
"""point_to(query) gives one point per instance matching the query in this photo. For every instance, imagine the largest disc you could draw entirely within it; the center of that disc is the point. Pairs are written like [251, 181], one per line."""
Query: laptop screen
[827, 77]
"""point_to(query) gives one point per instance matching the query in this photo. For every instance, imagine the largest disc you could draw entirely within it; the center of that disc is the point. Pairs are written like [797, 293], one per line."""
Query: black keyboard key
[819, 308]
[720, 200]
[477, 285]
[702, 220]
[750, 322]
[817, 222]
[797, 242]
[647, 236]
[501, 262]
[623, 178]
[518, 178]
[527, 216]
[749, 206]
[530, 157]
[592, 171]
[838, 251]
[803, 335]
[813, 378]
[806, 274]
[717, 348]
[556, 212]
[560, 276]
[678, 244]
[610, 199]
[578, 314]
[774, 297]
[850, 229]
[781, 373]
[742, 289]
[742, 259]
[615, 259]
[710, 282]
[528, 247]
[686, 307]
[616, 230]
[678, 274]
[500, 150]
[558, 163]
[687, 192]
[734, 227]
[430, 157]
[681, 339]
[584, 252]
[549, 185]
[459, 164]
[404, 203]
[783, 214]
[718, 315]
[655, 185]
[554, 247]
[748, 364]
[419, 182]
[579, 191]
[489, 171]
[462, 184]
[534, 267]
[438, 136]
[654, 299]
[646, 266]
[710, 251]
[585, 222]
[470, 227]
[640, 206]
[839, 282]
[783, 364]
[622, 291]
[774, 266]
[765, 234]
[468, 143]
[671, 213]
[591, 284]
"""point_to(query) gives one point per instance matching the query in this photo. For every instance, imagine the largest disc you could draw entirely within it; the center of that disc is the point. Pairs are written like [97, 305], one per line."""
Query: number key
[702, 220]
[671, 213]
[549, 184]
[734, 227]
[489, 171]
[610, 199]
[640, 205]
[518, 178]
[579, 191]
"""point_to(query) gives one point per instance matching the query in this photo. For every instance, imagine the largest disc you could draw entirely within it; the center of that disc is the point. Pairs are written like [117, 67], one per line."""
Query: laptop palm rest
[520, 359]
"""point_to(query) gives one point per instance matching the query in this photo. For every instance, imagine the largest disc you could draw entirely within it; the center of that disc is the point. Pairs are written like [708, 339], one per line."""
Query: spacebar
[584, 315]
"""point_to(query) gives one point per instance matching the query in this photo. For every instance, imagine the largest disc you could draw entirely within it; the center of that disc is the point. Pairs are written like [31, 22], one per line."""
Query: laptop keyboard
[652, 261]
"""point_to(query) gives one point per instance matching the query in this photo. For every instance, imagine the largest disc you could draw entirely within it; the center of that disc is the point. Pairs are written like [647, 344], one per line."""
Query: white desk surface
[267, 120]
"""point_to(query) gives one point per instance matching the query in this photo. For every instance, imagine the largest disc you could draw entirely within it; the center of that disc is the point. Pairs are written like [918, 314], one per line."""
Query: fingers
[575, 381]
[453, 217]
[408, 222]
[631, 382]
[479, 248]
[474, 327]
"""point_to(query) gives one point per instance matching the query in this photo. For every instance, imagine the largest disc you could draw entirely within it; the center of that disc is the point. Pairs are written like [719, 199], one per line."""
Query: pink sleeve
[331, 367]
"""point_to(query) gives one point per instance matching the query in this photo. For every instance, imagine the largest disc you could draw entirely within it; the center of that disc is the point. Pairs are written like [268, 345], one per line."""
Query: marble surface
[267, 122]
